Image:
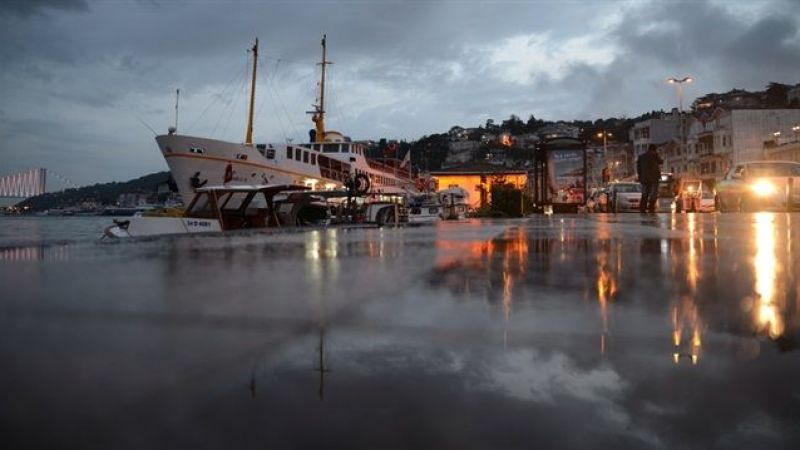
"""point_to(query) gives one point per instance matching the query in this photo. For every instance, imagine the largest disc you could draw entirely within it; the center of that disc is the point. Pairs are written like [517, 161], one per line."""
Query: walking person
[648, 167]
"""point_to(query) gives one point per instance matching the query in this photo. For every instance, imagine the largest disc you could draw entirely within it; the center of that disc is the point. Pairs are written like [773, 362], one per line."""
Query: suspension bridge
[28, 183]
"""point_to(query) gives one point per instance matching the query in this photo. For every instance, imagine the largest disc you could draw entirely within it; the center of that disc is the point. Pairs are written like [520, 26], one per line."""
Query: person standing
[648, 167]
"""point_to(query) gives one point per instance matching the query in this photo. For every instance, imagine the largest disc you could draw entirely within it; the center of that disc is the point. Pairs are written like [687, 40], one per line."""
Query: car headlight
[763, 188]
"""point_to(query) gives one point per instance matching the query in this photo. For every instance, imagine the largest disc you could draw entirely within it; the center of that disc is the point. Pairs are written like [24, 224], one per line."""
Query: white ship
[323, 164]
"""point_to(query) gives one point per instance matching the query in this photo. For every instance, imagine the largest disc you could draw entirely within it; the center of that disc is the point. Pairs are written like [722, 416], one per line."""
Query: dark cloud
[31, 7]
[402, 68]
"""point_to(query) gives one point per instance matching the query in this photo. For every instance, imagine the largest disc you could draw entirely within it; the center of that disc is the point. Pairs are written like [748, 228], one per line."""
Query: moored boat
[325, 163]
[212, 209]
[454, 203]
[424, 208]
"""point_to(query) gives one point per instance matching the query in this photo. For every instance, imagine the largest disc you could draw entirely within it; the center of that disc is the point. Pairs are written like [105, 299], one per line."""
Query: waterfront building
[658, 131]
[742, 135]
[477, 179]
[789, 151]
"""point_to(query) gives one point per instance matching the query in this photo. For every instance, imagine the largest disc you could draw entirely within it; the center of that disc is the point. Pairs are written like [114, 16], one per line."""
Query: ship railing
[392, 168]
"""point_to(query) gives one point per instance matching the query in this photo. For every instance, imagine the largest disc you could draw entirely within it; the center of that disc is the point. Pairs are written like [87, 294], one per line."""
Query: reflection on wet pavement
[673, 331]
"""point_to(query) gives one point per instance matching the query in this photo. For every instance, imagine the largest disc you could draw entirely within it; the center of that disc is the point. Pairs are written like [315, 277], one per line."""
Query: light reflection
[687, 325]
[692, 271]
[492, 267]
[606, 286]
[686, 321]
[767, 310]
[36, 253]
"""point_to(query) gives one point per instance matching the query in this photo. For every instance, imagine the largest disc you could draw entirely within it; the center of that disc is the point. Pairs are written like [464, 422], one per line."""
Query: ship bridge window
[197, 150]
[288, 152]
[297, 154]
[313, 159]
[330, 148]
[270, 153]
[305, 157]
[345, 148]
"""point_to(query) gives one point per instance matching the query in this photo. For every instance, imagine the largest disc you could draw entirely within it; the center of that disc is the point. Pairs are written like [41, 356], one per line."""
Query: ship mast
[319, 109]
[248, 140]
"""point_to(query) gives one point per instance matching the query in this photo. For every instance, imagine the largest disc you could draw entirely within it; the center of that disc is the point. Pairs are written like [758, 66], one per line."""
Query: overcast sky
[79, 79]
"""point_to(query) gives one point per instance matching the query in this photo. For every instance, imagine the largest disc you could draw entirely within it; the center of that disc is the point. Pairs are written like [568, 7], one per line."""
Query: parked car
[706, 202]
[624, 196]
[760, 185]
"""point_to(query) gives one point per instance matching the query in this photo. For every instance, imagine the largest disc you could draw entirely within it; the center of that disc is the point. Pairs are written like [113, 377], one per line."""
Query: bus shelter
[559, 175]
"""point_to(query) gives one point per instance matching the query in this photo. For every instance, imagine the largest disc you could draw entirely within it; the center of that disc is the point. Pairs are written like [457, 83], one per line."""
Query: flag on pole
[406, 160]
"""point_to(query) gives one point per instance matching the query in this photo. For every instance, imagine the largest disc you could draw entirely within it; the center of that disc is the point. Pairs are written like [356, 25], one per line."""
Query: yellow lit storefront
[477, 180]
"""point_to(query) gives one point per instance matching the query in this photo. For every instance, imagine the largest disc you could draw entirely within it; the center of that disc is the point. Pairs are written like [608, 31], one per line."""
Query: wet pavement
[602, 331]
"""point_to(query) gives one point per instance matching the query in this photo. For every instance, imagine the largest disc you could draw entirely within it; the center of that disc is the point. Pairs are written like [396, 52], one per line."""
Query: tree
[533, 124]
[775, 95]
[513, 125]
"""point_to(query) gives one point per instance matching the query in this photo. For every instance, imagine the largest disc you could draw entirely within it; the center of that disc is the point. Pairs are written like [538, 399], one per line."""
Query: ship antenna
[319, 109]
[248, 140]
[177, 99]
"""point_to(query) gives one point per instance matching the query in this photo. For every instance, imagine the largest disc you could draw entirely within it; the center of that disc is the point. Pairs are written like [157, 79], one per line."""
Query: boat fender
[228, 173]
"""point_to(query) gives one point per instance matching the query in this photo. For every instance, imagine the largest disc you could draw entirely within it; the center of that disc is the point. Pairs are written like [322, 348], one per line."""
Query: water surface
[565, 332]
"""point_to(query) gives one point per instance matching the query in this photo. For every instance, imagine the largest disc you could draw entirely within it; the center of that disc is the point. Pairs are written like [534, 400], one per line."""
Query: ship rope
[286, 113]
[340, 116]
[217, 98]
[268, 80]
[231, 101]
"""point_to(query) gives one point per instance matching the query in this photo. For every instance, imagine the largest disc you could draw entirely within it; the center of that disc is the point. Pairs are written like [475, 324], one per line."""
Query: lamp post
[679, 83]
[796, 130]
[605, 135]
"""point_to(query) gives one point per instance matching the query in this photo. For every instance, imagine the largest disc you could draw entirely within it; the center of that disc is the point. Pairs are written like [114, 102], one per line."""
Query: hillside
[99, 194]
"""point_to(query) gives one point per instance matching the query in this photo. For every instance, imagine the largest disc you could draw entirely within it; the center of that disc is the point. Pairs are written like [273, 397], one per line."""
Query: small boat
[454, 203]
[213, 209]
[424, 208]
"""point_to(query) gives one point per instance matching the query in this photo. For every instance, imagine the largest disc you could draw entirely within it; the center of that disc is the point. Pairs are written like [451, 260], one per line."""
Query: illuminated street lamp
[605, 135]
[672, 80]
[679, 83]
[796, 130]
